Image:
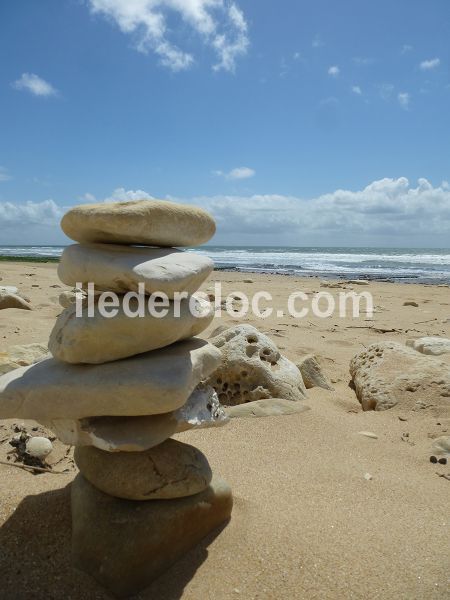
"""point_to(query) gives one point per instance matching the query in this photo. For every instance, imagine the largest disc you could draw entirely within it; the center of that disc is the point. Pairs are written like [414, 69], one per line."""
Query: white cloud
[237, 173]
[388, 211]
[386, 90]
[219, 23]
[317, 42]
[362, 61]
[4, 175]
[404, 99]
[118, 195]
[30, 213]
[356, 90]
[35, 85]
[428, 65]
[334, 71]
[387, 207]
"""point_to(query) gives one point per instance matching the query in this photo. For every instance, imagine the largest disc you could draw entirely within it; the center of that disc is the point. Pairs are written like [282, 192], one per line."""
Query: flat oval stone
[122, 268]
[99, 338]
[152, 383]
[136, 434]
[170, 470]
[147, 222]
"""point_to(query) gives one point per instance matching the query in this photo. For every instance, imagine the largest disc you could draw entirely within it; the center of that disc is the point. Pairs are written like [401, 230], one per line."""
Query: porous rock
[252, 368]
[147, 222]
[152, 383]
[387, 374]
[122, 268]
[125, 545]
[170, 470]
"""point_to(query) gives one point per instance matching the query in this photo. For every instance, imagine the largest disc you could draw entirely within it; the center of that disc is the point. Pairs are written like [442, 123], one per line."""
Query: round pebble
[39, 447]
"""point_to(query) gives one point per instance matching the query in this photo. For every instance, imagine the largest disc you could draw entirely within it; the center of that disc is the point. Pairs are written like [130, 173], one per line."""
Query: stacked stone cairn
[118, 387]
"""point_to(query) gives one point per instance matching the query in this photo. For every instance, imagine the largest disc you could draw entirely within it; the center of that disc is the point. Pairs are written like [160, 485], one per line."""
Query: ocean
[424, 265]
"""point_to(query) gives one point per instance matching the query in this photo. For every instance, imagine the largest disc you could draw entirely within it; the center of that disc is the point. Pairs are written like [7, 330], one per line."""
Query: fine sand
[306, 522]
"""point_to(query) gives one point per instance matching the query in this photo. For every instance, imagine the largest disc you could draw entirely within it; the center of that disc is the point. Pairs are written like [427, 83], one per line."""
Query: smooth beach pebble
[39, 447]
[368, 434]
[147, 222]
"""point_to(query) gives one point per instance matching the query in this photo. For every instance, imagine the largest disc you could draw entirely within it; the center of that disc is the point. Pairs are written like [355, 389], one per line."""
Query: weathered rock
[21, 356]
[441, 445]
[69, 297]
[121, 268]
[170, 470]
[358, 282]
[39, 447]
[312, 373]
[252, 368]
[146, 222]
[410, 303]
[125, 545]
[98, 339]
[430, 345]
[135, 434]
[152, 383]
[11, 289]
[10, 300]
[272, 407]
[389, 374]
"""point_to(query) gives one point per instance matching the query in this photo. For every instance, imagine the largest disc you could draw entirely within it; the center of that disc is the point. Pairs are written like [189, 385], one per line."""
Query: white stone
[430, 345]
[312, 373]
[151, 383]
[10, 300]
[69, 297]
[39, 447]
[99, 338]
[22, 356]
[122, 268]
[146, 222]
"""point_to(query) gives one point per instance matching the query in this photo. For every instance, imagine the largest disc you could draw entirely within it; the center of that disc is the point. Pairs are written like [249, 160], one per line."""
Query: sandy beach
[306, 522]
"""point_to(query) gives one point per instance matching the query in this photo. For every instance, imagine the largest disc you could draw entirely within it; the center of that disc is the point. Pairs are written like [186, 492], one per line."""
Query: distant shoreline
[30, 259]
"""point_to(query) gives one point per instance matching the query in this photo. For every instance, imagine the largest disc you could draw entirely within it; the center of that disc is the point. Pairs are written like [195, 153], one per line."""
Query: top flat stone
[147, 222]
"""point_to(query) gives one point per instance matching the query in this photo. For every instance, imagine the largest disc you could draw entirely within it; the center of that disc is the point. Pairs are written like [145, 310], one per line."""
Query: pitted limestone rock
[252, 368]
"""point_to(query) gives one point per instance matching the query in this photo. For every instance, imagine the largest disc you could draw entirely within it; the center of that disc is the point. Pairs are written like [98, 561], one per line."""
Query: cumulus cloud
[30, 82]
[237, 173]
[334, 71]
[30, 213]
[404, 99]
[387, 211]
[429, 65]
[356, 90]
[387, 208]
[4, 175]
[220, 24]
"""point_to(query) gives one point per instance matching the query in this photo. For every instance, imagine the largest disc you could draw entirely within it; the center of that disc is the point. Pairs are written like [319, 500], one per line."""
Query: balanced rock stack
[118, 387]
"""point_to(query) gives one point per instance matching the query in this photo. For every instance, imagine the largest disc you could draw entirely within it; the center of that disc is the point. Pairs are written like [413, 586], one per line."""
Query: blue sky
[294, 122]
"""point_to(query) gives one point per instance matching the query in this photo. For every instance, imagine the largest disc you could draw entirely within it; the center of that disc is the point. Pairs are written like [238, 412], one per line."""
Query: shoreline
[327, 276]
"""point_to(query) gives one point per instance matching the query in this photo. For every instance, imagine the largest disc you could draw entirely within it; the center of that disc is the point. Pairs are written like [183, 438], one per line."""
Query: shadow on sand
[35, 556]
